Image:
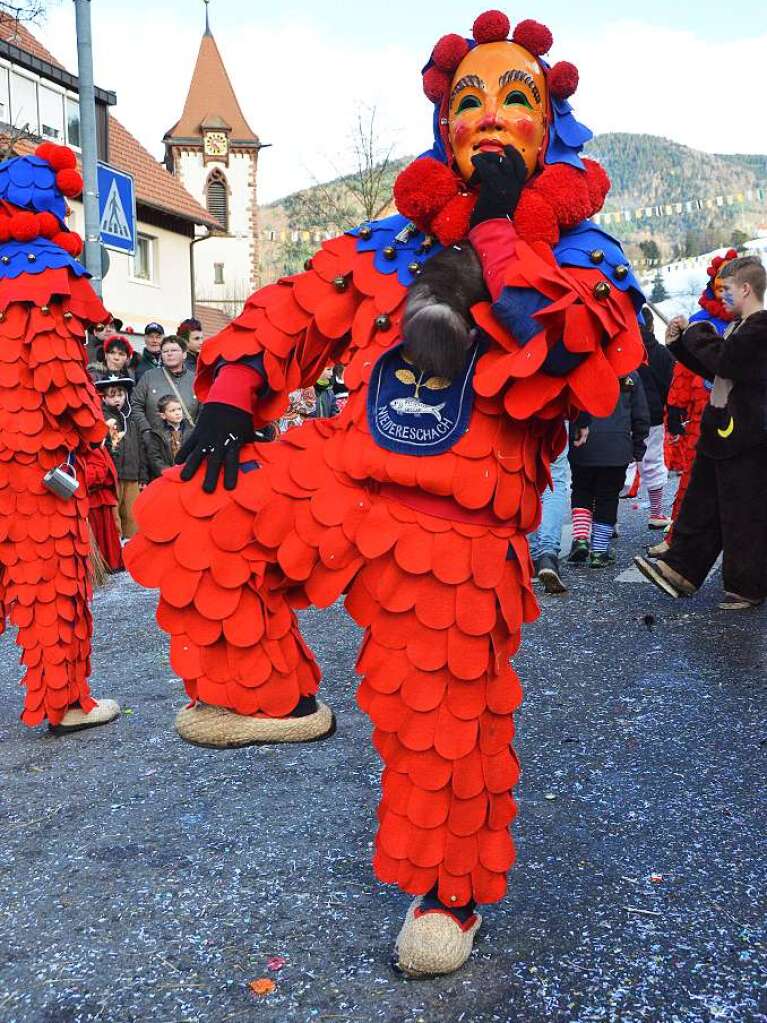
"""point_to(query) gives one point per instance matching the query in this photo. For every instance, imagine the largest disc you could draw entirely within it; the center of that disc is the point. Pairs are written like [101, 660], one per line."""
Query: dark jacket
[130, 455]
[739, 361]
[621, 438]
[158, 447]
[326, 405]
[190, 361]
[146, 362]
[152, 387]
[656, 376]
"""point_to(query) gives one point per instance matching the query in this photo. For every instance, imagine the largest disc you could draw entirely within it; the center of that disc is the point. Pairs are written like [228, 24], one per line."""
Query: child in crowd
[326, 403]
[599, 470]
[127, 448]
[101, 484]
[164, 444]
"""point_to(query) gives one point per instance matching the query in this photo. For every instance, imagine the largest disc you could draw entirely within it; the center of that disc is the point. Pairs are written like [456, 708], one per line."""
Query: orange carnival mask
[498, 97]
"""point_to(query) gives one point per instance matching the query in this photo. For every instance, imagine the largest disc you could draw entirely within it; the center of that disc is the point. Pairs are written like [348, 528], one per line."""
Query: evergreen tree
[659, 293]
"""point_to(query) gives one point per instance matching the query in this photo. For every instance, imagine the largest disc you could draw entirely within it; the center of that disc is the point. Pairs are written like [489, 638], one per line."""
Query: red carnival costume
[49, 415]
[689, 394]
[415, 502]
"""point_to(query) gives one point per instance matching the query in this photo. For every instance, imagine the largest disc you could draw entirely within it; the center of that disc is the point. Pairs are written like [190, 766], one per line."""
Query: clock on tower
[216, 145]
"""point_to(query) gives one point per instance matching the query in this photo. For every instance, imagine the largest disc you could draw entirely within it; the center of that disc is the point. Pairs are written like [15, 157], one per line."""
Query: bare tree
[363, 194]
[11, 135]
[23, 10]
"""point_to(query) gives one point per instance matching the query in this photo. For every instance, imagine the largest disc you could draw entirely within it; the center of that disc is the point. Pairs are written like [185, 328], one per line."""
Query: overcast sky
[690, 70]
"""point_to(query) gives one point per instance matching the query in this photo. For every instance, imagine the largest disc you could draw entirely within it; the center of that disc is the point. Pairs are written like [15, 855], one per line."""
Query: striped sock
[601, 535]
[656, 503]
[581, 523]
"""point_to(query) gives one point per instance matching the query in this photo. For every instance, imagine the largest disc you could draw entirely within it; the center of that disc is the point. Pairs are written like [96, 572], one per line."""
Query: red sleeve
[495, 242]
[238, 385]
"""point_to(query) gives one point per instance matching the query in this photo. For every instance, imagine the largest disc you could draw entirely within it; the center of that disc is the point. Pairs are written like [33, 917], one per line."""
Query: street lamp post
[88, 142]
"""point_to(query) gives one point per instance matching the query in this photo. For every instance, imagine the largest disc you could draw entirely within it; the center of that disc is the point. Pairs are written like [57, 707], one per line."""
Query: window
[144, 262]
[218, 273]
[73, 122]
[24, 103]
[51, 114]
[217, 198]
[5, 106]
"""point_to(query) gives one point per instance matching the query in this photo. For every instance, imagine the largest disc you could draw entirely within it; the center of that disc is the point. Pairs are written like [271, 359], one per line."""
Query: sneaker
[658, 522]
[601, 559]
[579, 552]
[548, 573]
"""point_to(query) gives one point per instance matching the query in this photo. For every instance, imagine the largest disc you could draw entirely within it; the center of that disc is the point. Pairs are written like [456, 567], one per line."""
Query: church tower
[214, 152]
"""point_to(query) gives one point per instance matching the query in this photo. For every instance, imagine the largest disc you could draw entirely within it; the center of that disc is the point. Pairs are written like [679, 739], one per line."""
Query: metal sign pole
[88, 142]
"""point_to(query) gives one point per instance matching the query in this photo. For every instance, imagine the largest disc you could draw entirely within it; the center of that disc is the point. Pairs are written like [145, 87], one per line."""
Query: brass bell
[602, 290]
[389, 252]
[383, 322]
[366, 232]
[31, 257]
[596, 256]
[340, 283]
[414, 267]
[5, 260]
[308, 263]
[621, 272]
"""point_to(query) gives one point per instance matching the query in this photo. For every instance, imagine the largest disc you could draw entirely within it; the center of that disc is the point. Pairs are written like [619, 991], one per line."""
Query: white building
[38, 94]
[213, 152]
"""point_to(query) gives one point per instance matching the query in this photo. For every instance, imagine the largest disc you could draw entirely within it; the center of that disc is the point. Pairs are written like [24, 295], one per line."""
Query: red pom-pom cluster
[64, 162]
[534, 37]
[449, 52]
[25, 226]
[491, 27]
[435, 199]
[718, 262]
[563, 79]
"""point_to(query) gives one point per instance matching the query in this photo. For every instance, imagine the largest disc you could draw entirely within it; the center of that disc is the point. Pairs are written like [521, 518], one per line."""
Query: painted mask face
[719, 284]
[498, 98]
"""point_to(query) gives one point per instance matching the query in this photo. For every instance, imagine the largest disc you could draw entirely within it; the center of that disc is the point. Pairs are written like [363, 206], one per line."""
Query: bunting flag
[671, 209]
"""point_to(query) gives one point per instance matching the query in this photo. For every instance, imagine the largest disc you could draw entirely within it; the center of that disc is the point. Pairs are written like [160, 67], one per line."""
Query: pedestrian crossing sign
[117, 209]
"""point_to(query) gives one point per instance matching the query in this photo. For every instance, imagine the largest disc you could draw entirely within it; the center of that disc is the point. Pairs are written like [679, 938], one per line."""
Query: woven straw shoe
[219, 728]
[434, 943]
[76, 721]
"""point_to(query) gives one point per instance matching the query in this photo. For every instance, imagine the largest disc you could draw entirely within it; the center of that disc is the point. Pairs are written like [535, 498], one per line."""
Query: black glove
[501, 180]
[675, 421]
[220, 432]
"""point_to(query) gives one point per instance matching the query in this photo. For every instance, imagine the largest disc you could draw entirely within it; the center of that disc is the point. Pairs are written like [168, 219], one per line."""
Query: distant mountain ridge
[645, 170]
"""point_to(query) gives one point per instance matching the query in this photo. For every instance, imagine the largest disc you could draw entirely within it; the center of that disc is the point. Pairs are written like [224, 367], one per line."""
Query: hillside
[645, 170]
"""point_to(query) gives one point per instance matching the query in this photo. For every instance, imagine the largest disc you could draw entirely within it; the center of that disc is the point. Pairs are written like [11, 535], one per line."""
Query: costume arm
[285, 336]
[699, 348]
[568, 335]
[743, 355]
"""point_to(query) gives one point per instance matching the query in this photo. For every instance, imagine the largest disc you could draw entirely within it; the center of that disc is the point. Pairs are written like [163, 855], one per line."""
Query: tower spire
[207, 19]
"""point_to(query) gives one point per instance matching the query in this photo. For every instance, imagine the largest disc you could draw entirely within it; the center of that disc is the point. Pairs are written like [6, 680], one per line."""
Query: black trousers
[724, 511]
[598, 487]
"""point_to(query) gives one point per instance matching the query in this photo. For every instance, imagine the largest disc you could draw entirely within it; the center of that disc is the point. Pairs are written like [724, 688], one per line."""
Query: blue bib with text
[412, 413]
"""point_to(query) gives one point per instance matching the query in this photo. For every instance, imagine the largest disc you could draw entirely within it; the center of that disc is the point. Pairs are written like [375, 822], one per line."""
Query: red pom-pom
[534, 218]
[61, 158]
[598, 184]
[731, 254]
[566, 190]
[451, 224]
[44, 150]
[47, 224]
[491, 27]
[422, 189]
[535, 38]
[24, 227]
[563, 79]
[449, 52]
[69, 242]
[435, 84]
[69, 183]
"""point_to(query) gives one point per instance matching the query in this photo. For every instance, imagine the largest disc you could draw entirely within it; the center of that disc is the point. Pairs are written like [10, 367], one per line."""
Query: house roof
[15, 32]
[155, 187]
[211, 95]
[212, 320]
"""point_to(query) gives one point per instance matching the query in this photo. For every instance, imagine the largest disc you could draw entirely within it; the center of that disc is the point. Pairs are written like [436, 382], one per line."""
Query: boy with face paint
[725, 507]
[470, 326]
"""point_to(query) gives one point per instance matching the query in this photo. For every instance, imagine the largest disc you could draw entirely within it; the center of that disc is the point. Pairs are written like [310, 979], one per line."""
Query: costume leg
[46, 589]
[231, 568]
[742, 489]
[443, 606]
[696, 541]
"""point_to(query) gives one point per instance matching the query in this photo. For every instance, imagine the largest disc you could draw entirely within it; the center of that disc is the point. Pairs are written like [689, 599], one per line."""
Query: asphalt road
[146, 881]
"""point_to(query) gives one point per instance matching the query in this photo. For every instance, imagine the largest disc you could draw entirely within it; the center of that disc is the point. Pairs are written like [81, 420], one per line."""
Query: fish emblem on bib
[413, 413]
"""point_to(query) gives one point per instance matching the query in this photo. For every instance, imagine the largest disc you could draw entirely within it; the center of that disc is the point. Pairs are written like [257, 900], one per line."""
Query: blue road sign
[117, 209]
